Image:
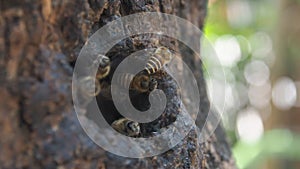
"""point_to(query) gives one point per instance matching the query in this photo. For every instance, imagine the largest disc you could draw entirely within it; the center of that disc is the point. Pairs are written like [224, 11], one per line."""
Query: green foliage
[274, 144]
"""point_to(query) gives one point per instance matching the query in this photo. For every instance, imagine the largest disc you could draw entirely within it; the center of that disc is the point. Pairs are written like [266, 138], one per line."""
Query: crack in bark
[161, 7]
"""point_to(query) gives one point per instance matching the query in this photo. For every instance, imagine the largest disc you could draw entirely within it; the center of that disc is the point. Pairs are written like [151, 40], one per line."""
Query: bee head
[104, 61]
[164, 52]
[152, 84]
[144, 82]
[133, 127]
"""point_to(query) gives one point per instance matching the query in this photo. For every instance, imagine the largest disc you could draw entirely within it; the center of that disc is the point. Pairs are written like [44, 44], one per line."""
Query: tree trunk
[39, 44]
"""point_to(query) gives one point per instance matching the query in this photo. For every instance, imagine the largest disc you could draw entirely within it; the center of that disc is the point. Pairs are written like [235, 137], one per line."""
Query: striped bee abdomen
[153, 64]
[141, 83]
[161, 56]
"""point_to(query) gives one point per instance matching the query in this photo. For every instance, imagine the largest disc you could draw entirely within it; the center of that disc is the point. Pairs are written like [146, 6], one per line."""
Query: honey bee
[86, 84]
[141, 83]
[161, 57]
[104, 66]
[126, 127]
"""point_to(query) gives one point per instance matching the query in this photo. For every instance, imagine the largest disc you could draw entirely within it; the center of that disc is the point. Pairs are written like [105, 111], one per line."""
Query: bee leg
[152, 84]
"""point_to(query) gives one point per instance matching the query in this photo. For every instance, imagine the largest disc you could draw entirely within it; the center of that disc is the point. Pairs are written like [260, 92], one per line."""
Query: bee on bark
[141, 83]
[104, 66]
[160, 57]
[126, 127]
[86, 86]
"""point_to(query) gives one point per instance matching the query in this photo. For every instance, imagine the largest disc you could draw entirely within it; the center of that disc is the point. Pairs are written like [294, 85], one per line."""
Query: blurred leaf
[276, 143]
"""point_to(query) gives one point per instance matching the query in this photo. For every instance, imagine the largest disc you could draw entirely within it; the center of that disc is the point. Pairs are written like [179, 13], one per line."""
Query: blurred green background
[258, 45]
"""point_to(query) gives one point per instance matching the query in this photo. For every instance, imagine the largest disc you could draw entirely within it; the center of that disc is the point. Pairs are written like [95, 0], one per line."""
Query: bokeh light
[257, 73]
[242, 94]
[284, 93]
[228, 50]
[249, 125]
[261, 44]
[263, 98]
[239, 13]
[216, 94]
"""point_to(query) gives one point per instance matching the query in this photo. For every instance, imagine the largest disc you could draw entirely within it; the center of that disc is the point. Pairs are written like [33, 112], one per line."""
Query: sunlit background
[258, 45]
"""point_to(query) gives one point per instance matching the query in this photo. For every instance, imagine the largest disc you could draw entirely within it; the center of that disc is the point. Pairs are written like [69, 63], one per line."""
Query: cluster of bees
[142, 83]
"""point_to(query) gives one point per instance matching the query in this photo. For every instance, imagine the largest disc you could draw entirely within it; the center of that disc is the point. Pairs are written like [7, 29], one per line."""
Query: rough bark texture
[39, 43]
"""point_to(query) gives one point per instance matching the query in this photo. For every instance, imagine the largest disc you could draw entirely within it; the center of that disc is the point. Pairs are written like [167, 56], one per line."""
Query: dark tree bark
[39, 43]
